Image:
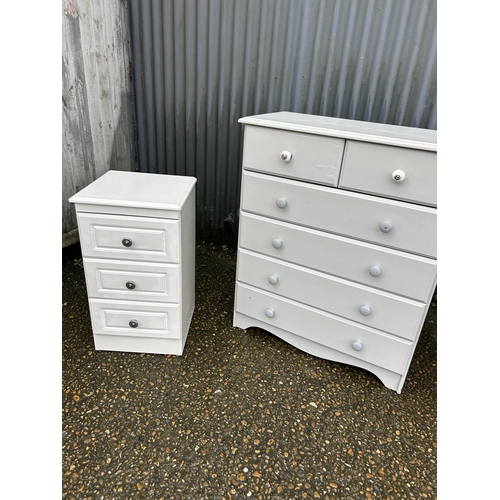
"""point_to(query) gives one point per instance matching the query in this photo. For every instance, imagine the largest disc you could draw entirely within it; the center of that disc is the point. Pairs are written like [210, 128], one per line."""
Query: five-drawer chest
[337, 242]
[137, 235]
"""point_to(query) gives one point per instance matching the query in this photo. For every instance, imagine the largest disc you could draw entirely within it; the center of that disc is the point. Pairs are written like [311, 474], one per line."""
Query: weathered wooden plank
[97, 116]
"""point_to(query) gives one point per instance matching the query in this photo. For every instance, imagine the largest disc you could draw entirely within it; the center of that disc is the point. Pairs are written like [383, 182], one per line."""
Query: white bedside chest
[137, 235]
[337, 237]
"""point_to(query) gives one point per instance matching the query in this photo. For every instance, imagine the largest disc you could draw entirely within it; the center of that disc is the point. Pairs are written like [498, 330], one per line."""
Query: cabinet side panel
[188, 260]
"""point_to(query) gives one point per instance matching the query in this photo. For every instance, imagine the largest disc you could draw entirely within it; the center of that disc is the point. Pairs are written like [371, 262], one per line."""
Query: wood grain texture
[97, 119]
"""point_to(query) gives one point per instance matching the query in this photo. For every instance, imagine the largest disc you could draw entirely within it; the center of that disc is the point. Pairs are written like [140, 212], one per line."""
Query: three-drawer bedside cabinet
[337, 243]
[137, 235]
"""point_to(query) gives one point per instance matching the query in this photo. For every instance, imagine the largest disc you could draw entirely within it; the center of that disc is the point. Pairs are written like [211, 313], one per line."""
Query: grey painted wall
[199, 65]
[97, 110]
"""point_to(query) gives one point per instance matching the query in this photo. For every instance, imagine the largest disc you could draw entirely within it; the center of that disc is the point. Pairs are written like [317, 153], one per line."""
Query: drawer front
[411, 228]
[313, 157]
[393, 172]
[107, 279]
[396, 315]
[396, 272]
[326, 329]
[130, 238]
[135, 319]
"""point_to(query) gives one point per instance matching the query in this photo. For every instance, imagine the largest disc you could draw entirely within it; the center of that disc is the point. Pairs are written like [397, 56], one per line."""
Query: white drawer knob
[385, 226]
[365, 310]
[270, 313]
[281, 203]
[272, 279]
[357, 345]
[277, 243]
[375, 271]
[398, 175]
[286, 155]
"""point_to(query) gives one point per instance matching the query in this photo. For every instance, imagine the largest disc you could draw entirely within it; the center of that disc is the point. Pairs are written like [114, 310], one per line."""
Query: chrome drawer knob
[375, 271]
[365, 310]
[398, 175]
[357, 345]
[130, 285]
[281, 203]
[286, 155]
[270, 313]
[385, 226]
[133, 323]
[277, 243]
[272, 279]
[127, 242]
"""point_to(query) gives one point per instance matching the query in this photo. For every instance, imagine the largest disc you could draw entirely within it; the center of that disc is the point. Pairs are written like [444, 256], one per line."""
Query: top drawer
[132, 238]
[311, 157]
[393, 172]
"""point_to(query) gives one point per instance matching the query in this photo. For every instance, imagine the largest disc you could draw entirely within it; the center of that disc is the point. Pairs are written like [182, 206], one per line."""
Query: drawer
[112, 317]
[313, 157]
[129, 238]
[393, 172]
[395, 224]
[326, 329]
[394, 271]
[396, 315]
[108, 279]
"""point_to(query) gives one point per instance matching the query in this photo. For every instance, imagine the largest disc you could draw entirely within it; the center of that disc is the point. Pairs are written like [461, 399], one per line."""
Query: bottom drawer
[326, 329]
[135, 319]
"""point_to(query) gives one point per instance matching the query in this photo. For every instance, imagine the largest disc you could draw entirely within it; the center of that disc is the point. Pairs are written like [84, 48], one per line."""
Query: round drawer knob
[127, 242]
[133, 323]
[281, 203]
[398, 175]
[272, 279]
[357, 345]
[286, 155]
[277, 243]
[365, 310]
[385, 226]
[270, 313]
[375, 271]
[130, 285]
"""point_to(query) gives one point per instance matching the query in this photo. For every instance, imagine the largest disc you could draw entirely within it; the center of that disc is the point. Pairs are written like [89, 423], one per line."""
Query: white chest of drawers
[337, 238]
[137, 235]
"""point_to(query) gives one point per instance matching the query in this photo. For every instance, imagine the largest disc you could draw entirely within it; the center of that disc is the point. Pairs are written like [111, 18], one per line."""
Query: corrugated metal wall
[199, 66]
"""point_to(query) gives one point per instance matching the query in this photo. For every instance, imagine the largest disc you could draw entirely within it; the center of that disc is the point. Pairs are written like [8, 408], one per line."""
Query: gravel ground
[240, 415]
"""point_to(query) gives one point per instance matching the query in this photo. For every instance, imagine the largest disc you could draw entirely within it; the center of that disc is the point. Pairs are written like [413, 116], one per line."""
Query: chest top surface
[395, 135]
[137, 189]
